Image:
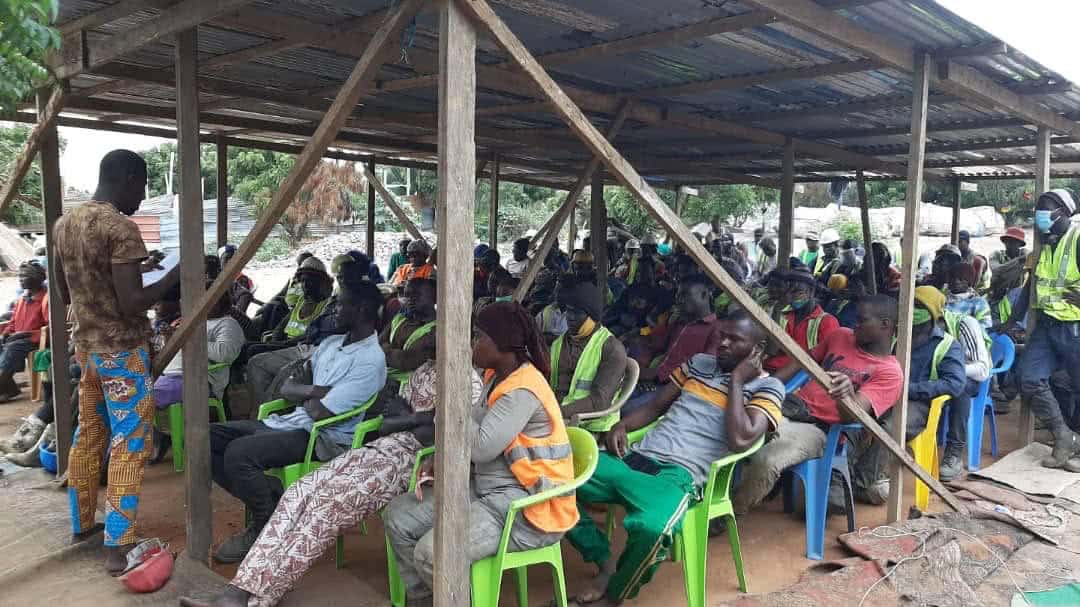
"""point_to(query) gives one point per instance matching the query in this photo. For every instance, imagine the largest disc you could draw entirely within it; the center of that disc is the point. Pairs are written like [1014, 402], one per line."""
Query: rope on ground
[923, 535]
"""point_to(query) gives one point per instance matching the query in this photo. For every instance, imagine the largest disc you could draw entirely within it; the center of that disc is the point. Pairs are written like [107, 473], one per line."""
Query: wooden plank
[455, 212]
[493, 204]
[567, 208]
[598, 229]
[390, 201]
[868, 237]
[47, 116]
[955, 229]
[110, 13]
[659, 210]
[186, 14]
[1026, 423]
[913, 205]
[200, 515]
[326, 132]
[950, 77]
[371, 215]
[787, 207]
[52, 202]
[222, 191]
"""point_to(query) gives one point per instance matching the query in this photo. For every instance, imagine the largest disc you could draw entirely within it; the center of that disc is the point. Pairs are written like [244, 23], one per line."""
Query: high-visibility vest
[952, 326]
[632, 273]
[407, 272]
[584, 374]
[543, 463]
[939, 354]
[812, 328]
[422, 330]
[297, 325]
[809, 257]
[1004, 309]
[1057, 273]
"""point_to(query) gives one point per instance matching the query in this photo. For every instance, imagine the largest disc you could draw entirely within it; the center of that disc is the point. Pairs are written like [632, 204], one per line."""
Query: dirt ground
[773, 543]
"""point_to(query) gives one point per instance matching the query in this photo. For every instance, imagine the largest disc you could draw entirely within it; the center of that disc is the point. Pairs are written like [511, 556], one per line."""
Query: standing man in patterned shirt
[100, 258]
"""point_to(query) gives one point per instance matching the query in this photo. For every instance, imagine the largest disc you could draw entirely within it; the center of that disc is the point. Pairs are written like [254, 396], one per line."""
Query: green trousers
[655, 505]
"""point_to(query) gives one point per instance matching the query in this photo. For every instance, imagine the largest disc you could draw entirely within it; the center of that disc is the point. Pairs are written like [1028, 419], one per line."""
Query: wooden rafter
[46, 121]
[391, 201]
[658, 209]
[316, 147]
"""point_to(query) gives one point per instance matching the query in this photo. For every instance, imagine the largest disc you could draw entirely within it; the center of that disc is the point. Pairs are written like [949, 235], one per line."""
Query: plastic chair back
[924, 446]
[586, 454]
[1002, 353]
[629, 382]
[797, 381]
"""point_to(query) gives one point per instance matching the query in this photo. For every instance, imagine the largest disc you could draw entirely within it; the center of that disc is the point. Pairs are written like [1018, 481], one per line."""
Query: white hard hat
[530, 233]
[811, 236]
[633, 244]
[829, 236]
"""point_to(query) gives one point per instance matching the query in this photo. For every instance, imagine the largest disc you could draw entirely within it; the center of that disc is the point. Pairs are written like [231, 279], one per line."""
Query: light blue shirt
[354, 373]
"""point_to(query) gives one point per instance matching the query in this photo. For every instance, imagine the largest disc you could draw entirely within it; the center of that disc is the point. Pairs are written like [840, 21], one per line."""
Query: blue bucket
[48, 458]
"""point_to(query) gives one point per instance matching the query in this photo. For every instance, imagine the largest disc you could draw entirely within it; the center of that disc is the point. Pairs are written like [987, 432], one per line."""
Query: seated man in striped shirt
[716, 403]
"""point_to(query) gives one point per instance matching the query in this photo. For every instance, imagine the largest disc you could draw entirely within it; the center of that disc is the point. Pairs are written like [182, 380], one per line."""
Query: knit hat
[963, 271]
[419, 246]
[32, 268]
[932, 298]
[951, 249]
[1062, 197]
[313, 264]
[581, 294]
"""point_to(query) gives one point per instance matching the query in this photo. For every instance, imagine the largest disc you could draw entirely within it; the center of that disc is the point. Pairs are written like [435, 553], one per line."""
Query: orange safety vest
[540, 464]
[407, 272]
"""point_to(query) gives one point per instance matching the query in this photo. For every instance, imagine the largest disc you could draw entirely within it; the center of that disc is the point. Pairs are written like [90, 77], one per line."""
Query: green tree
[25, 39]
[26, 207]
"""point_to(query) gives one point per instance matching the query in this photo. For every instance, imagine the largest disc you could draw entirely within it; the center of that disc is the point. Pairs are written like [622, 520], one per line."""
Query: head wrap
[419, 246]
[932, 298]
[583, 295]
[513, 330]
[33, 269]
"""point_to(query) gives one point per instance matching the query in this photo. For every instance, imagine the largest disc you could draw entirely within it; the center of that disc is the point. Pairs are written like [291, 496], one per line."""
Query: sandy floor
[773, 542]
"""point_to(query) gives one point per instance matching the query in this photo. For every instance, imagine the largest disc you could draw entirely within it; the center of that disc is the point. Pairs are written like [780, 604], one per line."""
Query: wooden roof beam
[182, 16]
[949, 77]
[728, 83]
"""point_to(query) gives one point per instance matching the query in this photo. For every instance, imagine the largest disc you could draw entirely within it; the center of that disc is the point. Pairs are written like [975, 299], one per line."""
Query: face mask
[1044, 220]
[799, 304]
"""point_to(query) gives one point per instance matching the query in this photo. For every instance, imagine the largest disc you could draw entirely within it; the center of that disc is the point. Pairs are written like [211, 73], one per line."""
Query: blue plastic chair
[816, 476]
[797, 381]
[1002, 355]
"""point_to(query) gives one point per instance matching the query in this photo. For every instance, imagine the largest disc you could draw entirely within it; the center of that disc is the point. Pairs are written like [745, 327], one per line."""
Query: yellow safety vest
[1057, 273]
[939, 354]
[297, 325]
[584, 374]
[422, 330]
[812, 327]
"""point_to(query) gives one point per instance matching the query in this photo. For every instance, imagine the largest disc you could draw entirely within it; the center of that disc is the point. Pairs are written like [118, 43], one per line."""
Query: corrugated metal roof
[843, 110]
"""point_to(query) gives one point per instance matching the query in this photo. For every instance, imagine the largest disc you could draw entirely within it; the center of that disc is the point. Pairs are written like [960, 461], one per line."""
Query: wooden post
[347, 98]
[457, 200]
[1042, 184]
[787, 206]
[222, 191]
[955, 233]
[920, 90]
[566, 210]
[632, 180]
[493, 208]
[192, 289]
[571, 236]
[598, 229]
[390, 201]
[868, 237]
[52, 201]
[371, 216]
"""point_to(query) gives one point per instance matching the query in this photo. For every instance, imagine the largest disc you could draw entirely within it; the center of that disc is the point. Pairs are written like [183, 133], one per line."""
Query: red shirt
[878, 378]
[798, 333]
[690, 341]
[30, 315]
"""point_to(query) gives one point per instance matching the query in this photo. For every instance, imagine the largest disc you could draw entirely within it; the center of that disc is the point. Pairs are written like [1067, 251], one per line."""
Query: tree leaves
[25, 38]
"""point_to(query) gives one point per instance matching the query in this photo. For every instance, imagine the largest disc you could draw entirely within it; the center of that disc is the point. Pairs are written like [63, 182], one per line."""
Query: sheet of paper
[171, 261]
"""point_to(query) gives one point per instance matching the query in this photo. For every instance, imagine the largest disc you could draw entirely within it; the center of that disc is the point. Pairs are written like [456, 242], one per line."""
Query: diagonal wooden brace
[46, 120]
[630, 179]
[392, 202]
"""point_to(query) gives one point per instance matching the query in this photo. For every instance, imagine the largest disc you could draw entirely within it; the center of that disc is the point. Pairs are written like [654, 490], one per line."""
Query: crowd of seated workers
[337, 343]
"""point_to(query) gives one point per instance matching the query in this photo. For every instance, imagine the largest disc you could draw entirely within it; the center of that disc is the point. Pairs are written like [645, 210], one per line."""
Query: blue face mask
[1044, 220]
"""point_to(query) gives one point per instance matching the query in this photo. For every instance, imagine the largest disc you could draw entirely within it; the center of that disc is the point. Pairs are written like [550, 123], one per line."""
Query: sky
[1042, 29]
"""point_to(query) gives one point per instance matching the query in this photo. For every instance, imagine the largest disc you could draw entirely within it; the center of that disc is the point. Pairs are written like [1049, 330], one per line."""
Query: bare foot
[230, 597]
[82, 536]
[116, 559]
[598, 586]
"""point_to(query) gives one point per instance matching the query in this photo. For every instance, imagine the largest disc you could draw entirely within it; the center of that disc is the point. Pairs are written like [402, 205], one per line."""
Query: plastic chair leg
[521, 577]
[817, 501]
[736, 551]
[694, 547]
[176, 431]
[486, 583]
[397, 587]
[558, 578]
[339, 551]
[849, 498]
[993, 429]
[975, 436]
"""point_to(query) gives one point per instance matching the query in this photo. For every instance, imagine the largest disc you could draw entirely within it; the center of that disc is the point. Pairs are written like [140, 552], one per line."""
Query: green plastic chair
[175, 415]
[487, 573]
[293, 472]
[692, 541]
